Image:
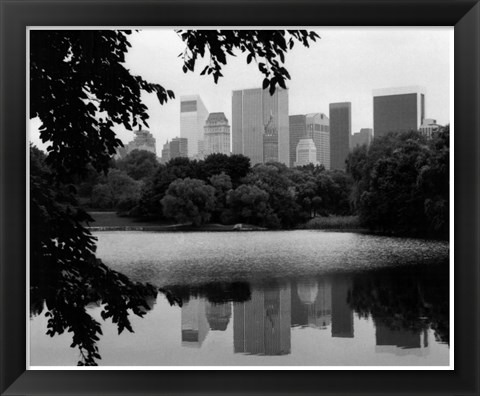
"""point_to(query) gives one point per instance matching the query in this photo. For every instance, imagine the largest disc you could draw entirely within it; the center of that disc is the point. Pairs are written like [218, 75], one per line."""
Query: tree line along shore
[399, 186]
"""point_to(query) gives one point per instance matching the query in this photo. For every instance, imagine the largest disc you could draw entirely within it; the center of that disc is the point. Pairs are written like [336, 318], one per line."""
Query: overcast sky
[345, 65]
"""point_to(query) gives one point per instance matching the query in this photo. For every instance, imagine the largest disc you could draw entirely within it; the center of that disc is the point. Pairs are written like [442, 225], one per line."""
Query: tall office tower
[270, 141]
[194, 323]
[143, 140]
[306, 153]
[217, 134]
[342, 313]
[318, 129]
[193, 115]
[340, 130]
[297, 130]
[166, 152]
[262, 325]
[251, 113]
[365, 136]
[315, 126]
[178, 147]
[398, 110]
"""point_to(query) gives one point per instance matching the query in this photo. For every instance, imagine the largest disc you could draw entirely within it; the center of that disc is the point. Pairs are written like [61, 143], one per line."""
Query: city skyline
[347, 64]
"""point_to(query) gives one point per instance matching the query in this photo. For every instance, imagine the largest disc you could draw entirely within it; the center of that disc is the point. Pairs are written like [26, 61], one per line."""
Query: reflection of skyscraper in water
[307, 291]
[262, 324]
[218, 315]
[313, 305]
[342, 313]
[194, 323]
[400, 341]
[321, 313]
[299, 312]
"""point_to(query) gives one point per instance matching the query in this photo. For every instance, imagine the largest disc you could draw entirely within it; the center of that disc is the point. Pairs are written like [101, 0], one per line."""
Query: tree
[434, 182]
[401, 184]
[80, 89]
[249, 204]
[274, 179]
[149, 205]
[138, 164]
[189, 200]
[118, 188]
[222, 184]
[236, 166]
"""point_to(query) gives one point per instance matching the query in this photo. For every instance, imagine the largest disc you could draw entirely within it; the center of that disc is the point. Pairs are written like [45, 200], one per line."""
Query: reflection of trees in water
[214, 292]
[411, 299]
[68, 311]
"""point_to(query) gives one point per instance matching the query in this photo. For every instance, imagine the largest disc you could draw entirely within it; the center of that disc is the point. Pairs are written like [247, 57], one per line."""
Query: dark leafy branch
[266, 47]
[80, 90]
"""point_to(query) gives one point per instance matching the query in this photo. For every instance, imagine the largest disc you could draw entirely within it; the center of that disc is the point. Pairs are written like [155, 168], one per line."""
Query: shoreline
[110, 221]
[183, 228]
[180, 228]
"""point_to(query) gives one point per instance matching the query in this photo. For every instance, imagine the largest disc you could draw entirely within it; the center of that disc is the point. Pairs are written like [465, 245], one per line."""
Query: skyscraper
[297, 131]
[270, 141]
[165, 153]
[255, 111]
[365, 136]
[318, 129]
[193, 115]
[340, 130]
[398, 110]
[306, 153]
[315, 126]
[178, 148]
[217, 134]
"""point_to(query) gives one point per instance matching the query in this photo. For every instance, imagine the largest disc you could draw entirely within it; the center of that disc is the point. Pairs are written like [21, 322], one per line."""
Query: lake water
[286, 298]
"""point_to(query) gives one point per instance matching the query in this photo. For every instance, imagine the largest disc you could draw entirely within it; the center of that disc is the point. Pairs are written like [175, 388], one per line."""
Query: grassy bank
[333, 223]
[110, 221]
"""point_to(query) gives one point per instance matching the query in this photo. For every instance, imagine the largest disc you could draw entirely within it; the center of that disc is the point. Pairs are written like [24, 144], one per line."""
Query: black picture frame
[16, 15]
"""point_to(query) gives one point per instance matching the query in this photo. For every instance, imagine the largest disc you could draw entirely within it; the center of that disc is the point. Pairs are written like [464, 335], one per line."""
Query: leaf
[265, 83]
[281, 82]
[272, 89]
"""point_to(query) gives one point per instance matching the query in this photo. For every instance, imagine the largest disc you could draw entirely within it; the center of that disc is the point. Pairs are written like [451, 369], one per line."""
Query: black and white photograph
[240, 198]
